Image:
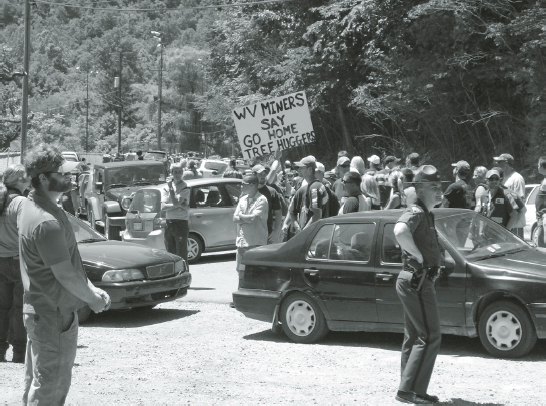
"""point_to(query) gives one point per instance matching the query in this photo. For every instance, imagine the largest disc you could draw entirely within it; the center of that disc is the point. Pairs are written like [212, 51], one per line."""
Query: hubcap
[300, 318]
[193, 248]
[504, 330]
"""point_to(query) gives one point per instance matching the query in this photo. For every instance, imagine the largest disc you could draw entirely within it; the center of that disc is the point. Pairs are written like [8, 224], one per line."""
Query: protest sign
[277, 124]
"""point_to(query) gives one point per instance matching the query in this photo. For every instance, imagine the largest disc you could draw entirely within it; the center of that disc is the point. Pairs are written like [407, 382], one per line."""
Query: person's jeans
[12, 328]
[176, 238]
[541, 234]
[51, 350]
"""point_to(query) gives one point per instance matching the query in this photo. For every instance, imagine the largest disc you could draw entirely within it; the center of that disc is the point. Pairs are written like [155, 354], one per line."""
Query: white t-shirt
[516, 183]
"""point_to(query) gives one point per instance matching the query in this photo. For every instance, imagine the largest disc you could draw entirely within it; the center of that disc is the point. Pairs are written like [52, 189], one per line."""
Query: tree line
[449, 79]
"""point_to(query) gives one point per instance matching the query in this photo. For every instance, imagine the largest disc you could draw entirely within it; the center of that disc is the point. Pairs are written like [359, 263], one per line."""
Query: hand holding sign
[274, 125]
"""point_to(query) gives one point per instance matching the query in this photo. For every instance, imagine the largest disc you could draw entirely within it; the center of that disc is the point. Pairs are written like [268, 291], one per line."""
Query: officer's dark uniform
[422, 336]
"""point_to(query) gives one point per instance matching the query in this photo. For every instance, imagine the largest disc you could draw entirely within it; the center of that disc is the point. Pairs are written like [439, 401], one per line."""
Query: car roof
[124, 164]
[197, 182]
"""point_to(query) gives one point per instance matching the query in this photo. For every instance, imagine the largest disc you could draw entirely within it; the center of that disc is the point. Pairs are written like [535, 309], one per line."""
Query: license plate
[137, 226]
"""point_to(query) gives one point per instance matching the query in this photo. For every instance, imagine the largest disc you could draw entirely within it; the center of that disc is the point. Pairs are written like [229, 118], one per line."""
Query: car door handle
[311, 272]
[197, 214]
[384, 276]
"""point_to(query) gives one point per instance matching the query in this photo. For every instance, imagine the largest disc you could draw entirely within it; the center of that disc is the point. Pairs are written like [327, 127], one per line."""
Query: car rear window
[343, 242]
[147, 201]
[216, 166]
[391, 253]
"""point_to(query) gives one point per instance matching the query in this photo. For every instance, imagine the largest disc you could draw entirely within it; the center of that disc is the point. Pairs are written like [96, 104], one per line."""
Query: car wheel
[91, 218]
[111, 232]
[534, 236]
[84, 313]
[302, 320]
[506, 330]
[195, 248]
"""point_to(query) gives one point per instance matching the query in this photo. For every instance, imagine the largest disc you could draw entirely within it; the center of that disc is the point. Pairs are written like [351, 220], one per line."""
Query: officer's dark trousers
[422, 336]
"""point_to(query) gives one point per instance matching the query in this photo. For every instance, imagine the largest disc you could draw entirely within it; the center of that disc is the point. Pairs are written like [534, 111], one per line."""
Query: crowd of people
[39, 255]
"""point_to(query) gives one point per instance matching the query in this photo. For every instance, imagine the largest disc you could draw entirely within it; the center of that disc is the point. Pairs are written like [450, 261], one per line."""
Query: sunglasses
[494, 179]
[60, 173]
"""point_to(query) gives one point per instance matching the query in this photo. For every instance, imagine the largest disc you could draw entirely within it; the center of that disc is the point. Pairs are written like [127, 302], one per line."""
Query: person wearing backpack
[11, 286]
[309, 202]
[355, 201]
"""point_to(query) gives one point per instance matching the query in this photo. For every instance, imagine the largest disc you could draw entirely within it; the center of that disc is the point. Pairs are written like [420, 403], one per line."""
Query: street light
[158, 36]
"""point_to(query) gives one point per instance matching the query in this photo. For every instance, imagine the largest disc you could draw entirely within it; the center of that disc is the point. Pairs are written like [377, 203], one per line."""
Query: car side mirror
[99, 186]
[215, 172]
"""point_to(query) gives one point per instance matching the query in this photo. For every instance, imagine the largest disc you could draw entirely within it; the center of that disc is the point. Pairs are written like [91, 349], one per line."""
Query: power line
[72, 5]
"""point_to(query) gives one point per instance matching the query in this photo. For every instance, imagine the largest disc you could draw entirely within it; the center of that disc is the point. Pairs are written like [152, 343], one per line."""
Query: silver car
[212, 204]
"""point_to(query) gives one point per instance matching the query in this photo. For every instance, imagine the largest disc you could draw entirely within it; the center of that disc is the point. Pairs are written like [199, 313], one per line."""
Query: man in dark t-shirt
[456, 195]
[274, 215]
[343, 165]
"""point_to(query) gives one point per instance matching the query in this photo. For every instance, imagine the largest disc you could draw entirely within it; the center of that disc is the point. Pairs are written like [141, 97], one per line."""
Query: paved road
[197, 350]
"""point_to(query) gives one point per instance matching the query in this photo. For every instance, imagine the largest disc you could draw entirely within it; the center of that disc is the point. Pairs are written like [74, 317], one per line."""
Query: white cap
[374, 159]
[320, 167]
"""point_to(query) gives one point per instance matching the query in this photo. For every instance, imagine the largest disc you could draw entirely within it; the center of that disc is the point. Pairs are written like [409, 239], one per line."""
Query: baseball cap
[66, 166]
[329, 174]
[258, 168]
[492, 172]
[462, 167]
[320, 167]
[414, 155]
[249, 179]
[427, 173]
[343, 161]
[308, 161]
[505, 157]
[374, 159]
[390, 159]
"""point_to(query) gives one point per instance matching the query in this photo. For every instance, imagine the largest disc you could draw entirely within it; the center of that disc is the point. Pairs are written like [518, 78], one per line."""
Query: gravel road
[199, 351]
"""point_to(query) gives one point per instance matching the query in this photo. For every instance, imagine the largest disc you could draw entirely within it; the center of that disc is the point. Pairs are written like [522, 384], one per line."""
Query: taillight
[159, 223]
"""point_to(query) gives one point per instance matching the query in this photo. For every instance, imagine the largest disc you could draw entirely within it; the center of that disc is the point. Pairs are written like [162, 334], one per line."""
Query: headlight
[122, 275]
[126, 203]
[180, 267]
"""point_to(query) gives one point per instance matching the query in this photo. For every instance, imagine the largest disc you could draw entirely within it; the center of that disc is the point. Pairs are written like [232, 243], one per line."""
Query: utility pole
[26, 65]
[120, 104]
[158, 36]
[87, 115]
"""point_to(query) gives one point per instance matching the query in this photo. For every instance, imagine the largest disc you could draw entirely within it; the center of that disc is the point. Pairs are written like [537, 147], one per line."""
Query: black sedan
[134, 276]
[340, 275]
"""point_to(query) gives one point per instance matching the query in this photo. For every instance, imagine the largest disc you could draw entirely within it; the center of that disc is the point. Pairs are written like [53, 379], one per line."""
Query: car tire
[111, 232]
[84, 313]
[506, 330]
[302, 320]
[195, 248]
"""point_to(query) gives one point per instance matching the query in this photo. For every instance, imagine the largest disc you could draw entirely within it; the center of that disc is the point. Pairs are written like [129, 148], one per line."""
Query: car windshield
[135, 175]
[215, 166]
[82, 231]
[157, 156]
[477, 237]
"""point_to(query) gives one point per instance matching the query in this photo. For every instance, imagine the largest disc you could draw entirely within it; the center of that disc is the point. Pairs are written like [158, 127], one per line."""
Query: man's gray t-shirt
[46, 238]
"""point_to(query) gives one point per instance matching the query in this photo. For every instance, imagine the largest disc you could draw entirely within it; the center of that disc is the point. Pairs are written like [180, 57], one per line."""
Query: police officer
[422, 257]
[540, 205]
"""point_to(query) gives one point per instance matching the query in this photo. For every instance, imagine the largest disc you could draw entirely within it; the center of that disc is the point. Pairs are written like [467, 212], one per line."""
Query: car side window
[352, 242]
[234, 191]
[391, 252]
[208, 196]
[321, 243]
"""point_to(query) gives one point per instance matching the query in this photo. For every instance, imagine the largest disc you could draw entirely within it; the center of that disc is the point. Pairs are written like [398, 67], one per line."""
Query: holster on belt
[420, 274]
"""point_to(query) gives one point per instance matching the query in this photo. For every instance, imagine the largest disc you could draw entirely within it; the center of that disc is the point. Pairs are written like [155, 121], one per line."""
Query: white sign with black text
[277, 124]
